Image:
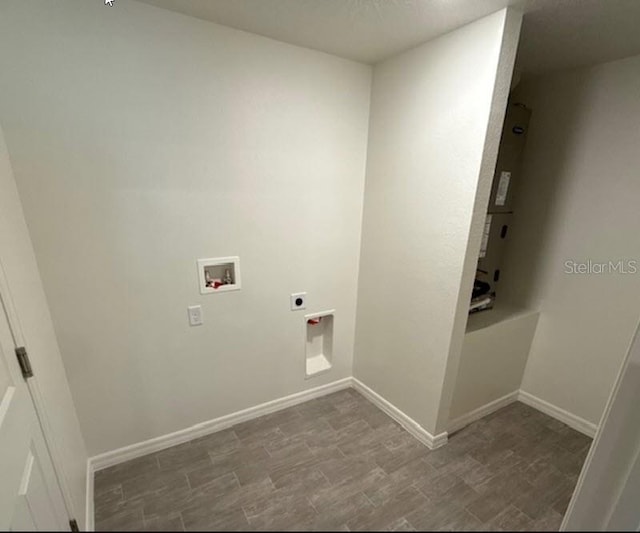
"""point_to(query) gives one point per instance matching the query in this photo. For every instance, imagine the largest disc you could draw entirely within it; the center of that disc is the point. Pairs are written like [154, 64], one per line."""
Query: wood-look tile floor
[339, 463]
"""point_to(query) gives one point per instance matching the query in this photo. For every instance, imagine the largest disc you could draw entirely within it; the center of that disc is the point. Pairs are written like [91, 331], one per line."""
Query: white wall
[433, 115]
[143, 140]
[23, 278]
[492, 362]
[578, 201]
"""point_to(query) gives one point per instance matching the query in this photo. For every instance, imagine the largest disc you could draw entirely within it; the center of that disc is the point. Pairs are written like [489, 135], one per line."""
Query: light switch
[195, 315]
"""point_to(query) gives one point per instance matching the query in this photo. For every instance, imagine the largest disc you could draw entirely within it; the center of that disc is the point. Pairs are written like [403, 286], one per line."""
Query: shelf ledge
[317, 364]
[491, 317]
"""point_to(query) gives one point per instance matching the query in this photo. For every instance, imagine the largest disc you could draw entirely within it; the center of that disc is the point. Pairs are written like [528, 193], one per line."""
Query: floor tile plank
[338, 463]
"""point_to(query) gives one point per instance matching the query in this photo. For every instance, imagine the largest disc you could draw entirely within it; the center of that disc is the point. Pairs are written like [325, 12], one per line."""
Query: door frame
[6, 301]
[605, 497]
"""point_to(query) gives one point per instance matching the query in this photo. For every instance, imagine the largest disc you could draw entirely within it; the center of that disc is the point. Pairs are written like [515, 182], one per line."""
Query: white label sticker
[503, 188]
[485, 237]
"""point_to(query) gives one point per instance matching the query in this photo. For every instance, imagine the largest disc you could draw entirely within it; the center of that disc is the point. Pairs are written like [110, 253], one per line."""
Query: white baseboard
[403, 419]
[458, 423]
[89, 524]
[139, 449]
[156, 444]
[126, 453]
[574, 421]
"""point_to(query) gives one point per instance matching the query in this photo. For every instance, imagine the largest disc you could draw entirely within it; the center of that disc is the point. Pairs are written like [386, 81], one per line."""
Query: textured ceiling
[574, 33]
[556, 33]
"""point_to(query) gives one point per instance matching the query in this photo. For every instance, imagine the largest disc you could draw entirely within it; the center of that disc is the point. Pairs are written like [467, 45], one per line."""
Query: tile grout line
[325, 477]
[564, 466]
[246, 517]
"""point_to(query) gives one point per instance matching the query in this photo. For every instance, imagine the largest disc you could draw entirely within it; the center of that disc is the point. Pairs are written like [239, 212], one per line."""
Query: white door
[30, 496]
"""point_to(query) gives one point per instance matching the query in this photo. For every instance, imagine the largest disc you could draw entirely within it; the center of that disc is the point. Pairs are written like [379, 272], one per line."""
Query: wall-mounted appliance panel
[489, 262]
[509, 163]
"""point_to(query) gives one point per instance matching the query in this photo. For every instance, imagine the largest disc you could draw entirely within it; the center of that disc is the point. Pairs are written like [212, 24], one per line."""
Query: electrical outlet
[195, 315]
[298, 301]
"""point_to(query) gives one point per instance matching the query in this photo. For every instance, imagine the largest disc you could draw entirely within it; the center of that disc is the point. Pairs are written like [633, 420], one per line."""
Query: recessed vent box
[319, 346]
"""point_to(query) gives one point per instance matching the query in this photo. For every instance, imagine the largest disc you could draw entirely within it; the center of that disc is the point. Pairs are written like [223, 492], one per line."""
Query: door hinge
[73, 524]
[23, 360]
